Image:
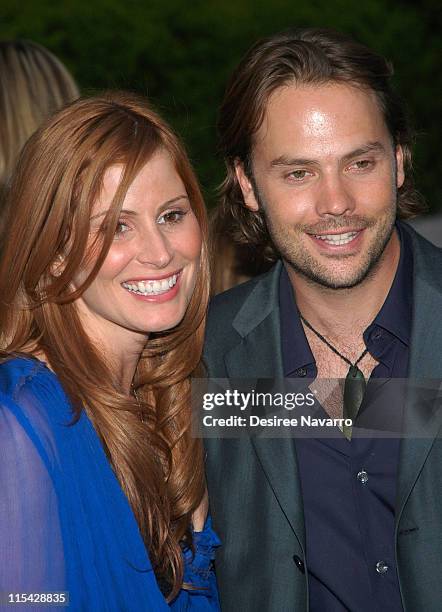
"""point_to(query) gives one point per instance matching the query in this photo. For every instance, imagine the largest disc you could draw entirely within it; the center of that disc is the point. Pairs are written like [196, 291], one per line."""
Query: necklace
[354, 386]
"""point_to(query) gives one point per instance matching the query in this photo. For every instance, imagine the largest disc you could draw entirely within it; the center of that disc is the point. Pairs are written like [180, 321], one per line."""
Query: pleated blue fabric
[65, 523]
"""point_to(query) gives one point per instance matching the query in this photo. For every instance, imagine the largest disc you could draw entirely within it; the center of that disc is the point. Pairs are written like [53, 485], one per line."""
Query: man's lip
[336, 232]
[137, 279]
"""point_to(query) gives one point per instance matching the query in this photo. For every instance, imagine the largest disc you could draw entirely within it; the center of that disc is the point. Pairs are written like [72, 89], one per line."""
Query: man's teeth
[149, 287]
[337, 239]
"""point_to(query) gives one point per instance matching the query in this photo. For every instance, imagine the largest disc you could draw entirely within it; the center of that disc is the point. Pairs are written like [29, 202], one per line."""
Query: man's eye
[362, 164]
[171, 217]
[298, 175]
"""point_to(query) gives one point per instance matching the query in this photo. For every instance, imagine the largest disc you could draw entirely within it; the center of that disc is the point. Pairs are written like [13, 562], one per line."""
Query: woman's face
[149, 274]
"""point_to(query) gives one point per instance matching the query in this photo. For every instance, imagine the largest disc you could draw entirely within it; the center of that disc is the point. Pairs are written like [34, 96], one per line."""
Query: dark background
[180, 54]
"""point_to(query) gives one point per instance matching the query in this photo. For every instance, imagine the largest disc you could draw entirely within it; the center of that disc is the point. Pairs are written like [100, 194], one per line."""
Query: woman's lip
[138, 279]
[161, 297]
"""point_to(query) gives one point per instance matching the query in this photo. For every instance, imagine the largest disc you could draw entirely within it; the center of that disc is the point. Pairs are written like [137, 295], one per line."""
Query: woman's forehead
[155, 183]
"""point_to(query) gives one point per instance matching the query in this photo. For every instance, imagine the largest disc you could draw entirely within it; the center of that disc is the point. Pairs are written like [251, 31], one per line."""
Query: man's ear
[246, 187]
[400, 172]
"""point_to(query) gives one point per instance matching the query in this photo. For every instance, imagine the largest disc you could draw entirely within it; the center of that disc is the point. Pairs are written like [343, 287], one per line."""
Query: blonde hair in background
[57, 181]
[33, 84]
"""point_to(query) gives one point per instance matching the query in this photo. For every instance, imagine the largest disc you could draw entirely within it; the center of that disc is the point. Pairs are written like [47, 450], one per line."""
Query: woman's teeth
[149, 287]
[337, 239]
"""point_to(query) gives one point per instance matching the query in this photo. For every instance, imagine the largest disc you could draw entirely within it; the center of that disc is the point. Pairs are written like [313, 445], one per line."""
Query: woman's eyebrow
[126, 211]
[172, 201]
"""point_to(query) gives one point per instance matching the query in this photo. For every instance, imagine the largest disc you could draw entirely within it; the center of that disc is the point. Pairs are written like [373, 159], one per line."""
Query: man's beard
[290, 245]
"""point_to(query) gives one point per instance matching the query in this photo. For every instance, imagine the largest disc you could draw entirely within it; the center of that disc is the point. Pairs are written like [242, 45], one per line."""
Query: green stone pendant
[354, 389]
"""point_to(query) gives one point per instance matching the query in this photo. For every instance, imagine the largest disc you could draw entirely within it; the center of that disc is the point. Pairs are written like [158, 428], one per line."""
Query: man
[318, 173]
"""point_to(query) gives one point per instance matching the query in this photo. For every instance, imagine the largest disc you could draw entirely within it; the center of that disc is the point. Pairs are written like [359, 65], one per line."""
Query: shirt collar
[396, 312]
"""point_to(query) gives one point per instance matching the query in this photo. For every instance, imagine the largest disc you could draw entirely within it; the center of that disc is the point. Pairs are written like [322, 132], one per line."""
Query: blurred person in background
[104, 285]
[233, 260]
[33, 84]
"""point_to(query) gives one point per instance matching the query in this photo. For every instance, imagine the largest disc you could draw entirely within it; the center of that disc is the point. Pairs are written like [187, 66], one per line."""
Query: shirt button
[301, 372]
[377, 334]
[299, 563]
[381, 567]
[362, 476]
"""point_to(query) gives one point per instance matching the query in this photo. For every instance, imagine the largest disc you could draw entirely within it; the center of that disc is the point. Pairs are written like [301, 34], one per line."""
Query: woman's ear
[58, 266]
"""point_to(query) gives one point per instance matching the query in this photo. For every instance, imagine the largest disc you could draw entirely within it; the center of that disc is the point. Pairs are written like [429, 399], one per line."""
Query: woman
[33, 84]
[104, 284]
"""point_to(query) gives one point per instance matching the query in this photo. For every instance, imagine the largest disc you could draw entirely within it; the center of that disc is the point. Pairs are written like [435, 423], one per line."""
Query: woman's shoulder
[33, 393]
[25, 373]
[16, 371]
[33, 409]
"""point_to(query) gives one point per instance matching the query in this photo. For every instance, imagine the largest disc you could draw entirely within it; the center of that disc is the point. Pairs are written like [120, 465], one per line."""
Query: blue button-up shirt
[349, 488]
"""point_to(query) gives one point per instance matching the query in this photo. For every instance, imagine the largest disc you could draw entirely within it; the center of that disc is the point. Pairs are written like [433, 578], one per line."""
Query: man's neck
[349, 311]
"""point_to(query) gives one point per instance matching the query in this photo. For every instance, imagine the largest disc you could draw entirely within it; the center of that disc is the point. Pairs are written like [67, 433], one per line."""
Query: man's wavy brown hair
[58, 179]
[310, 56]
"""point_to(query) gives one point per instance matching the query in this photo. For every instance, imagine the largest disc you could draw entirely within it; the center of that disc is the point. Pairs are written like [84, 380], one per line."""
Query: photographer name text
[274, 421]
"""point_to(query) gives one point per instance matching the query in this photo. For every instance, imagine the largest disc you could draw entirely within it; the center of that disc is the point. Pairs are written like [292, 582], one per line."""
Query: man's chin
[344, 277]
[335, 283]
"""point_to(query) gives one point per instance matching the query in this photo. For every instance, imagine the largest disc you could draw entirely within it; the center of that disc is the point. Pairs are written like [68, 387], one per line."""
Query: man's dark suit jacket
[254, 484]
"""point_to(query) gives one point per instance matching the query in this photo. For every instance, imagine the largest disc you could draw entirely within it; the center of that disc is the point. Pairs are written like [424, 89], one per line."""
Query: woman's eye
[171, 217]
[121, 229]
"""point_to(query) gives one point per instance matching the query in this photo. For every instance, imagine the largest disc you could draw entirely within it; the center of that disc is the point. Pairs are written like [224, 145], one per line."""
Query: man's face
[325, 175]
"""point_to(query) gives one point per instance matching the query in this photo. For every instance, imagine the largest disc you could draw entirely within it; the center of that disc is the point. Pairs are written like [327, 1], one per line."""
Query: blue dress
[65, 523]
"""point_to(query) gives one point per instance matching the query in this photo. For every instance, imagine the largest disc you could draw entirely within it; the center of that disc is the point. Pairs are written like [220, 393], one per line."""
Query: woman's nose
[154, 249]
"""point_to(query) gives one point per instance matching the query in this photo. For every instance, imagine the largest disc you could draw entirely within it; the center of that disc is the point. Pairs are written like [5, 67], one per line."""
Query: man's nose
[335, 198]
[154, 249]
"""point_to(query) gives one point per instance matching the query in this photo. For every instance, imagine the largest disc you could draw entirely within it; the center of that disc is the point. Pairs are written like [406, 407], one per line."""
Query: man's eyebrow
[370, 147]
[284, 160]
[133, 213]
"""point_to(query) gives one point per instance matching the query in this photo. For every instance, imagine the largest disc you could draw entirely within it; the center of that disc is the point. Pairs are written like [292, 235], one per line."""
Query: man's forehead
[301, 116]
[303, 93]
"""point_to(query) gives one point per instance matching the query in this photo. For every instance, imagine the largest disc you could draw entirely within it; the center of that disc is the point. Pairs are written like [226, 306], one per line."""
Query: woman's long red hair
[57, 181]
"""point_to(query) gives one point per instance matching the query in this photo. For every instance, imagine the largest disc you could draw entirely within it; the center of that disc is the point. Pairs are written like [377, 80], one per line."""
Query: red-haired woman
[103, 285]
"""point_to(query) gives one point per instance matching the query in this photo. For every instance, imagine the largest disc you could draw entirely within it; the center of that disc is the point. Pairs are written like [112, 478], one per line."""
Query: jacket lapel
[258, 355]
[423, 410]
